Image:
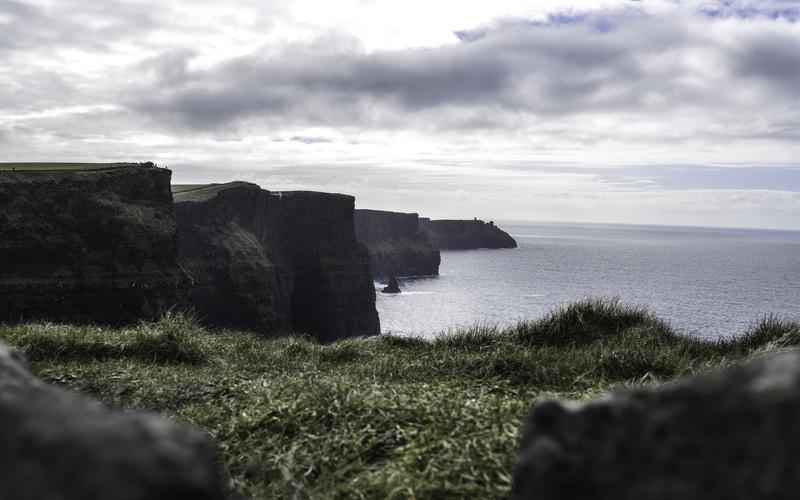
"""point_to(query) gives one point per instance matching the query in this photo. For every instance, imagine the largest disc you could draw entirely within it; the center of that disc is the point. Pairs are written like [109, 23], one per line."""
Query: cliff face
[275, 261]
[465, 234]
[395, 244]
[87, 245]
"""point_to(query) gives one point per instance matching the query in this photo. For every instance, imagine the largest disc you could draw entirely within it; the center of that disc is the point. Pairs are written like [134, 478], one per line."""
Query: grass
[387, 417]
[58, 167]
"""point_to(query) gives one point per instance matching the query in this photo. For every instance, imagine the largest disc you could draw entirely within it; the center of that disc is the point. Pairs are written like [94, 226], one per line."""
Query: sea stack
[87, 243]
[393, 287]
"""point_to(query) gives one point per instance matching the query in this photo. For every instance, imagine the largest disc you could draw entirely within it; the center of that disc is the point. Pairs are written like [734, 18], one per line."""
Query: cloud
[491, 98]
[73, 23]
[310, 140]
[646, 69]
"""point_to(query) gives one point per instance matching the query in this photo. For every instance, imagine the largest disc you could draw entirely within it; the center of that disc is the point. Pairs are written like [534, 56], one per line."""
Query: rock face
[59, 445]
[465, 234]
[396, 245]
[269, 261]
[731, 435]
[87, 245]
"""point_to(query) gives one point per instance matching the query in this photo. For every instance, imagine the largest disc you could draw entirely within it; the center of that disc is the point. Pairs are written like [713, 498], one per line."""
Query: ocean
[706, 282]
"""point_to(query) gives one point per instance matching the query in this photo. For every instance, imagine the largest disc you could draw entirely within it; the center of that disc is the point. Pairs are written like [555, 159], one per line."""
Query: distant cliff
[465, 234]
[275, 261]
[87, 243]
[396, 245]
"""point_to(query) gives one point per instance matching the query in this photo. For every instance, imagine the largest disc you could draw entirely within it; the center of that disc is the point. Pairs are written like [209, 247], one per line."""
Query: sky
[648, 112]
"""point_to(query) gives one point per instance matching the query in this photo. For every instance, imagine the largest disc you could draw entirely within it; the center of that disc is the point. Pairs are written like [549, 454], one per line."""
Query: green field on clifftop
[386, 417]
[60, 167]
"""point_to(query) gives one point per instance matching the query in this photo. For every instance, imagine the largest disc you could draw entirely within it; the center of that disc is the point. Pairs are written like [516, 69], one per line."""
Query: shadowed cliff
[86, 243]
[274, 262]
[396, 245]
[465, 234]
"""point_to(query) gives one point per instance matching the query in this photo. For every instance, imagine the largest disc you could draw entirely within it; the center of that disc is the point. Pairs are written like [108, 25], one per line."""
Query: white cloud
[363, 95]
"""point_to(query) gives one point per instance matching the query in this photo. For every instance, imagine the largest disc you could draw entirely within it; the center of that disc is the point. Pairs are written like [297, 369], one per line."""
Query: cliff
[86, 243]
[275, 261]
[395, 244]
[465, 234]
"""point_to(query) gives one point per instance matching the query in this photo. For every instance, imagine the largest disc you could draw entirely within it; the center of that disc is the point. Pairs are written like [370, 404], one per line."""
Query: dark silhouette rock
[396, 245]
[268, 261]
[393, 287]
[87, 245]
[465, 234]
[60, 445]
[729, 435]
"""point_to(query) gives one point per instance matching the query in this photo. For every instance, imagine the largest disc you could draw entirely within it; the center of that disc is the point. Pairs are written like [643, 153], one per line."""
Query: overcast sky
[662, 111]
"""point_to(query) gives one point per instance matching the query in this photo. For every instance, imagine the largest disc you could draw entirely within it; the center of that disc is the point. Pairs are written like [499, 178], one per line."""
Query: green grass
[59, 167]
[387, 417]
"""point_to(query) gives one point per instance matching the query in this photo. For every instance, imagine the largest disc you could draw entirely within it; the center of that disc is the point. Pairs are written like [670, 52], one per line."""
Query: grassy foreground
[387, 417]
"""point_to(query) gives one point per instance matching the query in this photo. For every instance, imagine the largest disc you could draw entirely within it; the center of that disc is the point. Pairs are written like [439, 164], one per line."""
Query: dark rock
[465, 234]
[396, 245]
[269, 261]
[58, 445]
[393, 286]
[93, 246]
[730, 435]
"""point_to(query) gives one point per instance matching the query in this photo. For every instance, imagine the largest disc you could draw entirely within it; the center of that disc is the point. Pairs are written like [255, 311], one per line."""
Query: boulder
[396, 245]
[88, 245]
[465, 234]
[275, 261]
[727, 435]
[59, 445]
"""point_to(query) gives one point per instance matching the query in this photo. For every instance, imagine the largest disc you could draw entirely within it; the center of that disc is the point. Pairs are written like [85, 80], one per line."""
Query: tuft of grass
[587, 321]
[172, 339]
[385, 417]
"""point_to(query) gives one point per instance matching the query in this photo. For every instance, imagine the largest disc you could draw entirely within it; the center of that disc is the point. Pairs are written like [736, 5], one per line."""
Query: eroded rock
[59, 445]
[728, 435]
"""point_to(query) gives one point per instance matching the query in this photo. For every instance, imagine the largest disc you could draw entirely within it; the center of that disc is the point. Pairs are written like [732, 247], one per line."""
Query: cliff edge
[275, 261]
[396, 245]
[465, 234]
[87, 243]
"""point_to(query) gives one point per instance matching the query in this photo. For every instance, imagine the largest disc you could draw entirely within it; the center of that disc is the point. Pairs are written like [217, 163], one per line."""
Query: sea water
[706, 282]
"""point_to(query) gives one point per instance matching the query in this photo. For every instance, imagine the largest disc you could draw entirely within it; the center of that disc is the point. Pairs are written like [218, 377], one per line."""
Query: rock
[392, 287]
[396, 245]
[274, 262]
[465, 234]
[729, 435]
[87, 245]
[59, 445]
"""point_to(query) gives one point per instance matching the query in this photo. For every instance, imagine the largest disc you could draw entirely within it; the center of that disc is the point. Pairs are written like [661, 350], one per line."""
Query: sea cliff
[87, 243]
[465, 234]
[396, 245]
[275, 261]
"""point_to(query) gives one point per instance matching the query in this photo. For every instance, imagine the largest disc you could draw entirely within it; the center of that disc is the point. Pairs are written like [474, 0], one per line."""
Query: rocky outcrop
[465, 234]
[393, 287]
[87, 244]
[62, 446]
[269, 261]
[396, 245]
[730, 435]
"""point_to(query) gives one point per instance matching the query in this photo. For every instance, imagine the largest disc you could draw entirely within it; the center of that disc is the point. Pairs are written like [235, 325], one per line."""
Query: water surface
[705, 281]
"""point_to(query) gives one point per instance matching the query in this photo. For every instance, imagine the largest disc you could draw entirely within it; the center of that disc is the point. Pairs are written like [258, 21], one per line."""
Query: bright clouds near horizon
[651, 111]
